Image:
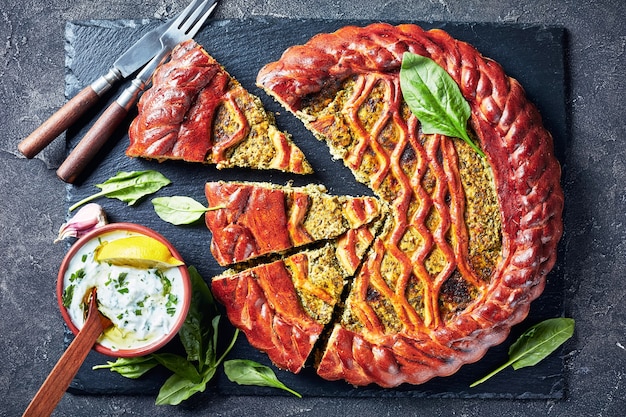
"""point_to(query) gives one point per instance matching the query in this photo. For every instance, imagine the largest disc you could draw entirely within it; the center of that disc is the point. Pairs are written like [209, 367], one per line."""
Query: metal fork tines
[183, 28]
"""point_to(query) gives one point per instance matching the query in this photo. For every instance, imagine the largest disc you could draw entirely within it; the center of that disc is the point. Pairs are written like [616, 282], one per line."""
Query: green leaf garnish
[132, 368]
[180, 210]
[68, 294]
[535, 344]
[247, 372]
[435, 98]
[128, 187]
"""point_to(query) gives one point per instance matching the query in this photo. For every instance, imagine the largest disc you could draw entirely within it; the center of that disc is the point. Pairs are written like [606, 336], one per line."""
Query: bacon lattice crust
[196, 112]
[471, 239]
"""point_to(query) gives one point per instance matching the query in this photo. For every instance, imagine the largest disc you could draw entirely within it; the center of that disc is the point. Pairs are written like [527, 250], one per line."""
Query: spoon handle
[55, 385]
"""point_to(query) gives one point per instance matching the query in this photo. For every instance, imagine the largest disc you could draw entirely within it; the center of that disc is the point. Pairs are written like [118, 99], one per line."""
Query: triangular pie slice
[196, 112]
[284, 306]
[255, 219]
[471, 239]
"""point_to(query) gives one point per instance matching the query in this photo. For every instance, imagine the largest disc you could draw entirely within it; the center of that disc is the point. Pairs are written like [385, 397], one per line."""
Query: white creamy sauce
[142, 304]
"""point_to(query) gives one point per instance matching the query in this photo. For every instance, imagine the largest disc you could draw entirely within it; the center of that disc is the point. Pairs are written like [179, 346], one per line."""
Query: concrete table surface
[32, 204]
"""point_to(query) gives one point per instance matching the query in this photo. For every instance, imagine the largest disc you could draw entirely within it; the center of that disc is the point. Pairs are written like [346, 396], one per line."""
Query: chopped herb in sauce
[141, 303]
[167, 284]
[68, 294]
[79, 274]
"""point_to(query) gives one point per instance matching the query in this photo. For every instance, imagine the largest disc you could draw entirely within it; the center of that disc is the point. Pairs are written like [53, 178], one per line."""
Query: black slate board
[533, 55]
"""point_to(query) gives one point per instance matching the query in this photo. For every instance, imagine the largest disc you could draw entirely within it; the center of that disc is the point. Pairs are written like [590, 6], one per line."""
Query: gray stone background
[32, 203]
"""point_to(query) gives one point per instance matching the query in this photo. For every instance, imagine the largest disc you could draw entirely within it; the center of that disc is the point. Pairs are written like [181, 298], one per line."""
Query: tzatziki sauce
[142, 304]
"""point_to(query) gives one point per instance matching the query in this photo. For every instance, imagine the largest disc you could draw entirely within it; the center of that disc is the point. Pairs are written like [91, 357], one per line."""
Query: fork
[183, 28]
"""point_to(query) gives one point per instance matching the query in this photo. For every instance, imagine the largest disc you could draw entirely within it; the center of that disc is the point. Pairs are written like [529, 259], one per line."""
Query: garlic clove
[89, 217]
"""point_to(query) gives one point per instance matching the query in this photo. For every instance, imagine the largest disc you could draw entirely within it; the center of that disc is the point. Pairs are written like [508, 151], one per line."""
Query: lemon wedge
[137, 251]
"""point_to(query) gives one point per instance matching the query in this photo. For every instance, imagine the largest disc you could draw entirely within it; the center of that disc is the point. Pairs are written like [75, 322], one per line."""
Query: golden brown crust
[426, 300]
[256, 219]
[262, 302]
[196, 112]
[282, 307]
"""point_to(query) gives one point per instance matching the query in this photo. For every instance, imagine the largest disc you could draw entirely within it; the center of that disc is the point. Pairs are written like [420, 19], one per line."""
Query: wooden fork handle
[60, 121]
[57, 382]
[91, 143]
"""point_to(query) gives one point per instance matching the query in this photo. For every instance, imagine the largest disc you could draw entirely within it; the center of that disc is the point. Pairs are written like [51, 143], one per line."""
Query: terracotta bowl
[182, 305]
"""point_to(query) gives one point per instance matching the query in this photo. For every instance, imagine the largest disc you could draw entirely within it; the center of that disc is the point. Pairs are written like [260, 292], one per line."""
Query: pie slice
[256, 219]
[283, 307]
[196, 112]
[471, 239]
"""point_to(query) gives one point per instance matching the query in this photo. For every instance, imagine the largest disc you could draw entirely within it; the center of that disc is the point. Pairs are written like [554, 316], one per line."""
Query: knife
[130, 61]
[89, 146]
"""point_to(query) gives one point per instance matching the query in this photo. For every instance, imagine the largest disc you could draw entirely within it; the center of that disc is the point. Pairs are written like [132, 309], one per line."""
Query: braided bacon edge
[526, 173]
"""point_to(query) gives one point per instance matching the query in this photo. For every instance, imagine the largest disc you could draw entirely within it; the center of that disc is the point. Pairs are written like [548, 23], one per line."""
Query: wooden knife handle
[91, 143]
[55, 385]
[58, 122]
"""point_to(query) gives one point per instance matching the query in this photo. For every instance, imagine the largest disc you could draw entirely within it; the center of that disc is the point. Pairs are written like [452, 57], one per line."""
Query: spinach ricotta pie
[257, 219]
[471, 238]
[467, 231]
[196, 112]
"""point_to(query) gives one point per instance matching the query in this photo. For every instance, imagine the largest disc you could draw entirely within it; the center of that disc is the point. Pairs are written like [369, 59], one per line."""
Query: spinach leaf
[180, 210]
[177, 389]
[210, 354]
[132, 368]
[535, 344]
[179, 365]
[247, 372]
[197, 326]
[128, 187]
[435, 98]
[539, 341]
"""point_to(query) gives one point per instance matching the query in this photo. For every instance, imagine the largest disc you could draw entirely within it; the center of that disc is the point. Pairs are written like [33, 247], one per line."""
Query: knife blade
[130, 61]
[141, 52]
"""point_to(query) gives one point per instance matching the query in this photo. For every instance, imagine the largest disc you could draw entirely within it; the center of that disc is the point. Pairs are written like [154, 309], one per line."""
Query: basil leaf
[128, 187]
[435, 98]
[539, 341]
[196, 328]
[178, 210]
[247, 372]
[132, 368]
[177, 389]
[535, 344]
[179, 366]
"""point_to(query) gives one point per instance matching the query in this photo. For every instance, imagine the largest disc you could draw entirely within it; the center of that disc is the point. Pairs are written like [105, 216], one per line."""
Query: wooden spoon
[55, 385]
